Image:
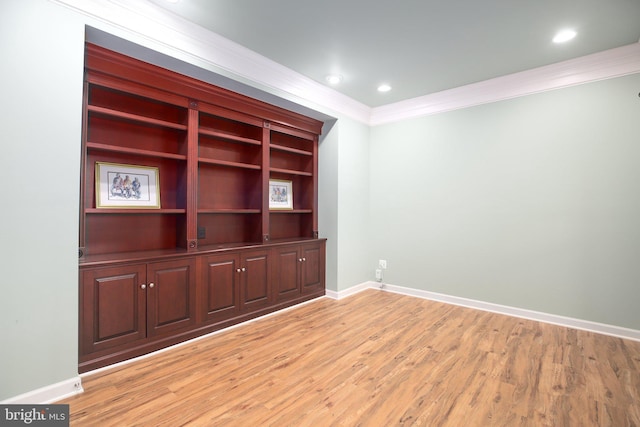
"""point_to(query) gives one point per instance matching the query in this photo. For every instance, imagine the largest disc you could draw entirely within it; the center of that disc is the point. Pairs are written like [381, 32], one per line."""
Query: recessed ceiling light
[564, 36]
[384, 88]
[334, 79]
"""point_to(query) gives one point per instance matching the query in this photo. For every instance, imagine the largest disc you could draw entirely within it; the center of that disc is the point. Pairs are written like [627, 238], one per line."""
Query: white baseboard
[585, 325]
[49, 394]
[352, 290]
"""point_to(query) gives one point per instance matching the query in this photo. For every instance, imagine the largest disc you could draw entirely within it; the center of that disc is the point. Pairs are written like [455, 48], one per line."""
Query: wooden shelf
[228, 136]
[291, 150]
[110, 211]
[290, 172]
[229, 211]
[229, 164]
[134, 151]
[291, 211]
[135, 118]
[215, 151]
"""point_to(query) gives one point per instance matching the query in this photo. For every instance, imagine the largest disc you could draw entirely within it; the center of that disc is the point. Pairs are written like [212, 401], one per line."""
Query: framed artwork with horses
[120, 186]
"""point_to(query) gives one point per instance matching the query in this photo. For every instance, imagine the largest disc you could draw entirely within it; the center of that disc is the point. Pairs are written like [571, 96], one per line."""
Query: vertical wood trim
[83, 172]
[315, 188]
[200, 293]
[266, 167]
[192, 177]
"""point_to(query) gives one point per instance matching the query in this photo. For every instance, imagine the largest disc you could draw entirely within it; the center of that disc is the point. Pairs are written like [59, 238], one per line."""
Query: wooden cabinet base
[105, 358]
[198, 294]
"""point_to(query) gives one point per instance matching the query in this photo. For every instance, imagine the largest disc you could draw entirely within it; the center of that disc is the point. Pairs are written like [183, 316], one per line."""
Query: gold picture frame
[280, 194]
[121, 186]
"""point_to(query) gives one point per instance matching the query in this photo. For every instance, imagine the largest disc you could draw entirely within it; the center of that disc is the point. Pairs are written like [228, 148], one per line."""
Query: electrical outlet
[378, 274]
[382, 264]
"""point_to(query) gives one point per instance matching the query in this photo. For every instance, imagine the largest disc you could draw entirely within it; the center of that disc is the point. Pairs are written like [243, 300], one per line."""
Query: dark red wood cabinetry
[235, 283]
[113, 307]
[171, 296]
[220, 299]
[298, 270]
[127, 303]
[312, 274]
[213, 254]
[255, 268]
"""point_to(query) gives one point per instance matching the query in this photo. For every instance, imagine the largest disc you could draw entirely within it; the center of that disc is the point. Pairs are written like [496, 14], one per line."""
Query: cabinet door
[285, 282]
[171, 296]
[112, 307]
[312, 274]
[254, 279]
[220, 291]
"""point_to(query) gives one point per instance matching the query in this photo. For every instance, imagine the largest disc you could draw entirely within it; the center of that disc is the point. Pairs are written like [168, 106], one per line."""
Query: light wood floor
[375, 359]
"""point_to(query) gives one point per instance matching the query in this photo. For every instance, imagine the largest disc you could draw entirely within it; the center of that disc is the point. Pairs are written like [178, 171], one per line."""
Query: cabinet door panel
[170, 296]
[285, 278]
[112, 307]
[220, 287]
[312, 268]
[255, 279]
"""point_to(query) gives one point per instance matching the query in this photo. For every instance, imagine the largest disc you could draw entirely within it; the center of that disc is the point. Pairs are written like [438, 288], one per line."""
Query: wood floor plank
[372, 359]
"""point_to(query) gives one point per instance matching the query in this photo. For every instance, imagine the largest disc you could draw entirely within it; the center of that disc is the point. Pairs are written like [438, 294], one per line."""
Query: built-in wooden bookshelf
[212, 254]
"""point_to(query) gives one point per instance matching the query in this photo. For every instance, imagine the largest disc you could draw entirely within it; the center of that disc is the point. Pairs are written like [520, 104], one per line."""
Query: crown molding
[598, 66]
[144, 23]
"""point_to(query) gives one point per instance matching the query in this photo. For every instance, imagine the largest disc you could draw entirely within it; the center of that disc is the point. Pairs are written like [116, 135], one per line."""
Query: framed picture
[121, 186]
[280, 194]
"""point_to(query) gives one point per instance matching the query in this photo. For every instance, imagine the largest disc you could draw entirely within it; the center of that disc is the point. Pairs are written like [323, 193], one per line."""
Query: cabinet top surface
[158, 255]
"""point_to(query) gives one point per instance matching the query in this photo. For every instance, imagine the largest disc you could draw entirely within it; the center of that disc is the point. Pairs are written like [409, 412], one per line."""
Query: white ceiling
[419, 47]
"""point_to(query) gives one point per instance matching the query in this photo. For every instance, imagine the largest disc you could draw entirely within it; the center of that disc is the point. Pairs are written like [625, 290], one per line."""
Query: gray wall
[353, 204]
[328, 200]
[41, 111]
[532, 202]
[344, 202]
